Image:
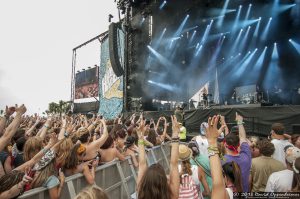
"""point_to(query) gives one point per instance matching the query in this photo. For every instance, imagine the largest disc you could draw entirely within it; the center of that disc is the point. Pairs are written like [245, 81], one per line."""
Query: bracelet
[47, 127]
[66, 134]
[45, 150]
[240, 123]
[6, 117]
[213, 148]
[141, 142]
[175, 138]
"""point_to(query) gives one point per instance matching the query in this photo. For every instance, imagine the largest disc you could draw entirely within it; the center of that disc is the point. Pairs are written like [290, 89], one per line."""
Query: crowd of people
[218, 163]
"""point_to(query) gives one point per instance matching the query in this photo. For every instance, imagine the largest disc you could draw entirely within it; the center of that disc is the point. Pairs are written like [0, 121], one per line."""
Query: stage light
[248, 11]
[235, 24]
[295, 45]
[244, 41]
[220, 22]
[236, 42]
[266, 30]
[162, 5]
[259, 63]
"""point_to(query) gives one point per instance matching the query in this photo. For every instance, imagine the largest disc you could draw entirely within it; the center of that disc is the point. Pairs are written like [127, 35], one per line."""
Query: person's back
[264, 166]
[279, 149]
[242, 158]
[281, 181]
[278, 139]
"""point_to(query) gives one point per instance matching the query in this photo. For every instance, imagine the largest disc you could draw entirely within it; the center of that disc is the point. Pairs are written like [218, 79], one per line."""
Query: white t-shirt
[194, 169]
[230, 193]
[203, 144]
[280, 181]
[279, 153]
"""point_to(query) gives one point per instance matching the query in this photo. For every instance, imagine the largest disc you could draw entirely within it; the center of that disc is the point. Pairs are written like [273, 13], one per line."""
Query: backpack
[188, 188]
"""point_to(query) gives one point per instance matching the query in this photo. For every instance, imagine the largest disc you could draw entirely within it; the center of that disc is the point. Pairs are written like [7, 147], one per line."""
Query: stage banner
[110, 86]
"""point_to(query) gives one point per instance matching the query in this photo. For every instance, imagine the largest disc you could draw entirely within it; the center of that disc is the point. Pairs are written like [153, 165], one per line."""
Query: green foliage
[58, 108]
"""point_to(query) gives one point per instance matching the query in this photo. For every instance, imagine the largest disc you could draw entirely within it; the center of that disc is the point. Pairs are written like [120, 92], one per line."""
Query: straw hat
[185, 153]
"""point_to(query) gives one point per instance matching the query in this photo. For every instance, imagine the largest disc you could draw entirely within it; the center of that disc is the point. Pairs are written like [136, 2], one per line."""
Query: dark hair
[154, 184]
[72, 158]
[10, 179]
[128, 123]
[294, 138]
[121, 134]
[233, 172]
[20, 143]
[266, 147]
[152, 137]
[232, 139]
[296, 177]
[130, 140]
[20, 133]
[194, 147]
[108, 143]
[278, 128]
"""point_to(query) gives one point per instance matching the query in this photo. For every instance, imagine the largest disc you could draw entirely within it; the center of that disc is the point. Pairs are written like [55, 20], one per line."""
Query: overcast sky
[36, 42]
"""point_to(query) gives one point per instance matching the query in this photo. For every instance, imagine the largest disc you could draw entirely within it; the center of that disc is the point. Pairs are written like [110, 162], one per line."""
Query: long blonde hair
[41, 176]
[32, 146]
[64, 150]
[92, 192]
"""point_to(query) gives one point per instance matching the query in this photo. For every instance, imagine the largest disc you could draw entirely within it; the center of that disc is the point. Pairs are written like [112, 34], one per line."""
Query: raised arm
[95, 145]
[28, 133]
[142, 155]
[13, 127]
[8, 112]
[174, 173]
[212, 134]
[242, 132]
[223, 124]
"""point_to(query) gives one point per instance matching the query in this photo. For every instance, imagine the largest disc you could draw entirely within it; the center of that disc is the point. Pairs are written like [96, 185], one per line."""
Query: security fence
[117, 178]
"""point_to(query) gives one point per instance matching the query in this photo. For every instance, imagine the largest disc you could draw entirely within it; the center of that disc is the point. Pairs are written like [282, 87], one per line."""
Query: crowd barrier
[117, 178]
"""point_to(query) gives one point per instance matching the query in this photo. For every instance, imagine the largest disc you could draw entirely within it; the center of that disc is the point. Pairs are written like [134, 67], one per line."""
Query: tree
[58, 108]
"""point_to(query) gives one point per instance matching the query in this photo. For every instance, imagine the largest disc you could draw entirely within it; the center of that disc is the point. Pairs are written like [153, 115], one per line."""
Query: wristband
[141, 142]
[239, 122]
[47, 127]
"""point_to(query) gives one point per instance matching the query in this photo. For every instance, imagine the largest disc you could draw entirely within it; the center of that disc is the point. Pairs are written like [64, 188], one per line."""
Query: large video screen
[87, 83]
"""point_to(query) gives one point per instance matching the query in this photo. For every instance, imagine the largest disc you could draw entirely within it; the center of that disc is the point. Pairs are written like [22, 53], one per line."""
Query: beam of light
[164, 61]
[213, 59]
[283, 8]
[275, 55]
[236, 65]
[162, 5]
[198, 50]
[266, 30]
[180, 28]
[244, 65]
[155, 46]
[206, 32]
[273, 72]
[275, 6]
[258, 64]
[257, 28]
[142, 21]
[248, 23]
[244, 40]
[234, 46]
[216, 36]
[164, 86]
[220, 21]
[295, 45]
[236, 21]
[248, 12]
[189, 29]
[192, 37]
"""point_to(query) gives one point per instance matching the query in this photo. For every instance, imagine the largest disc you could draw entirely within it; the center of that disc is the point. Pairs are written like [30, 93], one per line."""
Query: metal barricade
[118, 179]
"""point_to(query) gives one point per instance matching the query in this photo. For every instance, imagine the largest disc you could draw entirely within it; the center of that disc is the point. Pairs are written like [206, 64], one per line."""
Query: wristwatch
[212, 153]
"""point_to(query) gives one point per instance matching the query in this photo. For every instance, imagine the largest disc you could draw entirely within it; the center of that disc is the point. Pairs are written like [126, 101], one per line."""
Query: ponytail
[237, 177]
[233, 172]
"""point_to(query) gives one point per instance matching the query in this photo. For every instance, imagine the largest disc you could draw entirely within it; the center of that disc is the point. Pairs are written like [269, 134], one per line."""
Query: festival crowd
[218, 163]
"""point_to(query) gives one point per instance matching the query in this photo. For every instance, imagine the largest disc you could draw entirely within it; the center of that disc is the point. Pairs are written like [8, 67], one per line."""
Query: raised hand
[9, 111]
[141, 128]
[21, 110]
[212, 132]
[175, 127]
[238, 117]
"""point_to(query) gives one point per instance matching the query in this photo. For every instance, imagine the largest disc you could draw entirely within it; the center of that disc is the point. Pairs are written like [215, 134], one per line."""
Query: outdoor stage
[258, 119]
